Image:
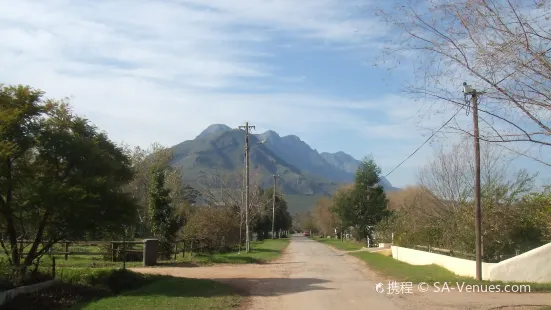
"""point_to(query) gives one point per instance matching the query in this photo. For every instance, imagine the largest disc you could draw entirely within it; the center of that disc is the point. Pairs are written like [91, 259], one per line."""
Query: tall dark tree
[164, 223]
[59, 177]
[365, 204]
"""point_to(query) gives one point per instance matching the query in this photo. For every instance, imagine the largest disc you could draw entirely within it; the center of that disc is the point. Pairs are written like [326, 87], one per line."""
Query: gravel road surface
[311, 275]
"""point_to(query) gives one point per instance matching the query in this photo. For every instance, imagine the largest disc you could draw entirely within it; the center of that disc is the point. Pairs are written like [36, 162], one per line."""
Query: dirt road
[311, 275]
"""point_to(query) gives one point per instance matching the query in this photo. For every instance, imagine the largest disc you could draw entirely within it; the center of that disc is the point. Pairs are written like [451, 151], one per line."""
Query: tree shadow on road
[180, 287]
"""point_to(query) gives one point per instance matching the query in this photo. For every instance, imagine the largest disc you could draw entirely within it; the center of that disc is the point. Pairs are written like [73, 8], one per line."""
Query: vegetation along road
[311, 275]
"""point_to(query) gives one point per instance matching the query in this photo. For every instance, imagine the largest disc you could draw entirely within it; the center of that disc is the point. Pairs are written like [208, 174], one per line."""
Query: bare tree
[501, 47]
[325, 220]
[448, 176]
[226, 188]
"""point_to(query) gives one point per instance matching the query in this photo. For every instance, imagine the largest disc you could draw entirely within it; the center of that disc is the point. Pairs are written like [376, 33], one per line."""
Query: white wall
[459, 266]
[532, 266]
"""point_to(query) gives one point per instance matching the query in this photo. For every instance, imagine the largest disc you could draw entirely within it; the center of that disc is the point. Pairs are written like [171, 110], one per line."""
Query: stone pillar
[150, 252]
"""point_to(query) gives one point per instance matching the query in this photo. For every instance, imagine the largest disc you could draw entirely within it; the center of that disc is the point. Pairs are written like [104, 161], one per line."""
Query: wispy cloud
[148, 71]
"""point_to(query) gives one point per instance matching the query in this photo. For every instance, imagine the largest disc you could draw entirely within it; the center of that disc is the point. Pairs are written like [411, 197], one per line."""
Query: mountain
[349, 164]
[224, 151]
[302, 171]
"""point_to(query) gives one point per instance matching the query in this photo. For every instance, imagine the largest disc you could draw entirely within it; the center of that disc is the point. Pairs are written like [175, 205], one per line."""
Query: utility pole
[273, 204]
[478, 211]
[247, 237]
[477, 189]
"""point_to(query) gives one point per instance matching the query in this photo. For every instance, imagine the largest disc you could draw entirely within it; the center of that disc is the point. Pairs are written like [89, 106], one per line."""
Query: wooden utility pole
[478, 211]
[273, 204]
[468, 90]
[247, 129]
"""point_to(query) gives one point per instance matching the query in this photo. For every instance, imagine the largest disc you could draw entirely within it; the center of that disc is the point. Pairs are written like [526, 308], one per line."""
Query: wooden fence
[122, 247]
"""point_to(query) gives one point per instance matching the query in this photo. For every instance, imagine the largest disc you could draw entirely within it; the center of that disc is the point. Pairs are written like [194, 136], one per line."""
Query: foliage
[164, 223]
[325, 220]
[60, 177]
[282, 220]
[365, 204]
[182, 196]
[216, 227]
[440, 213]
[304, 221]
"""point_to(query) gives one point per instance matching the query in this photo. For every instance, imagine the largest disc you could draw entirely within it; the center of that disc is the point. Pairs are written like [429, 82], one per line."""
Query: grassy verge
[171, 293]
[261, 252]
[400, 271]
[346, 245]
[95, 288]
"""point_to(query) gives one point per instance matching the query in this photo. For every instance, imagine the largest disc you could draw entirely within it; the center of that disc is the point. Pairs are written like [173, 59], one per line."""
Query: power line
[427, 140]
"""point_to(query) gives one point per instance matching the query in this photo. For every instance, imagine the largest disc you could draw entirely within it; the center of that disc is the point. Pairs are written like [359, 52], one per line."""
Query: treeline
[61, 178]
[516, 214]
[439, 211]
[354, 209]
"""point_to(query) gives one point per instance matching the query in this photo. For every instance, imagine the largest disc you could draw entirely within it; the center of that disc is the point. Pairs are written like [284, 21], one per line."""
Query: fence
[115, 251]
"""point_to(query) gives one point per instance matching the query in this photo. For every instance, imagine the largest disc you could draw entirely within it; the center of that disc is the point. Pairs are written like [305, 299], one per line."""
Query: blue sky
[162, 71]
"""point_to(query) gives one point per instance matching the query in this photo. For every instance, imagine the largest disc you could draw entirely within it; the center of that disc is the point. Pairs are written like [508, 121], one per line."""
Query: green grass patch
[171, 293]
[404, 272]
[104, 288]
[261, 252]
[345, 245]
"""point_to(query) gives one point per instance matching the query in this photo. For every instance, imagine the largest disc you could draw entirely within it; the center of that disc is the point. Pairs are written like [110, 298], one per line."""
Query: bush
[217, 229]
[10, 280]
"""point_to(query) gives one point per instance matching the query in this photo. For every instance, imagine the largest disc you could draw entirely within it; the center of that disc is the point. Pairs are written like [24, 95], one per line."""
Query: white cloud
[162, 71]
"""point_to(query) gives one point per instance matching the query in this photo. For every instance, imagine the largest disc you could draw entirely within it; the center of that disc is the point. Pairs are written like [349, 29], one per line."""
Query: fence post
[150, 252]
[184, 249]
[53, 267]
[112, 251]
[124, 252]
[175, 250]
[66, 250]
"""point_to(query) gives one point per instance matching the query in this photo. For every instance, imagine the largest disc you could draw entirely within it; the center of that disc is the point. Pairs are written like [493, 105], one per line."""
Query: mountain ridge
[302, 169]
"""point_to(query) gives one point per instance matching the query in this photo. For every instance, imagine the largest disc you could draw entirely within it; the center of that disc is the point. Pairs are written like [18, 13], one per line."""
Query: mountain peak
[292, 138]
[213, 129]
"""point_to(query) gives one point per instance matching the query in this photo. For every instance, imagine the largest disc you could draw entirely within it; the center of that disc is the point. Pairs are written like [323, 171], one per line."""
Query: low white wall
[459, 266]
[532, 266]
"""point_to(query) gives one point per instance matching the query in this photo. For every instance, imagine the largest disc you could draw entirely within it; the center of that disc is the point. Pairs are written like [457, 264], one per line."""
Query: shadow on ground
[186, 288]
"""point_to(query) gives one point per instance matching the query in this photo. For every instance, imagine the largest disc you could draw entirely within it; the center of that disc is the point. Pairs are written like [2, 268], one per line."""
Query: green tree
[164, 222]
[366, 204]
[282, 219]
[59, 177]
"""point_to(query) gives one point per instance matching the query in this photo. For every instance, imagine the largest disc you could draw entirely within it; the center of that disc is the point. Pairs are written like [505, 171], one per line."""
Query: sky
[162, 71]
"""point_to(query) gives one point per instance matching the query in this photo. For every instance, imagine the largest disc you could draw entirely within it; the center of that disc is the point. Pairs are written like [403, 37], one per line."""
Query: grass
[261, 252]
[400, 271]
[346, 245]
[171, 293]
[104, 288]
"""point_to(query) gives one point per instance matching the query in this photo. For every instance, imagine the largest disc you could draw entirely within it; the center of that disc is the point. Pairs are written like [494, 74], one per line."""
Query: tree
[224, 188]
[500, 47]
[282, 220]
[325, 220]
[59, 177]
[144, 161]
[164, 223]
[215, 227]
[440, 212]
[366, 204]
